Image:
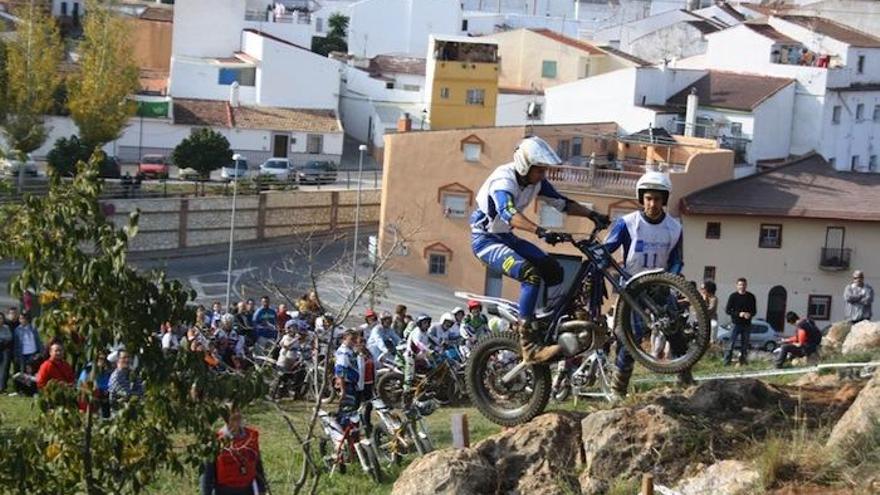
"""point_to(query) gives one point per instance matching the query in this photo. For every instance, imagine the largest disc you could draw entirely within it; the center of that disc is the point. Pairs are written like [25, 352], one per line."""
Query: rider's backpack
[814, 335]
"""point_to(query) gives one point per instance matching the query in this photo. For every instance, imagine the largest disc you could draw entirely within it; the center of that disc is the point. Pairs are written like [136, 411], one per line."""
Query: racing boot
[533, 349]
[685, 379]
[620, 383]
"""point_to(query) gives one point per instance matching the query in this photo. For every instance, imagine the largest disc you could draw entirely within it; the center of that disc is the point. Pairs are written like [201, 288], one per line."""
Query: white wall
[771, 135]
[360, 82]
[207, 28]
[300, 34]
[194, 78]
[293, 77]
[400, 26]
[623, 34]
[850, 137]
[510, 109]
[679, 40]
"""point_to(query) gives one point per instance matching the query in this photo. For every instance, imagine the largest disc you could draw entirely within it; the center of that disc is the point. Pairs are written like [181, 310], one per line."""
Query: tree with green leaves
[92, 299]
[30, 77]
[335, 41]
[204, 150]
[99, 93]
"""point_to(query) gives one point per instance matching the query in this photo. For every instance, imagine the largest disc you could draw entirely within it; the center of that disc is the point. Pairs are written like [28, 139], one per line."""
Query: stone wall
[174, 223]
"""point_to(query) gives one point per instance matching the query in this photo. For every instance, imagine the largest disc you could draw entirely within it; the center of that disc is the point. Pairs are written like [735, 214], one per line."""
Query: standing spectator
[249, 309]
[265, 317]
[399, 323]
[805, 341]
[170, 340]
[102, 382]
[55, 368]
[12, 318]
[6, 342]
[282, 317]
[123, 382]
[859, 297]
[347, 373]
[27, 342]
[741, 307]
[238, 469]
[370, 320]
[243, 320]
[367, 376]
[216, 314]
[202, 320]
[708, 292]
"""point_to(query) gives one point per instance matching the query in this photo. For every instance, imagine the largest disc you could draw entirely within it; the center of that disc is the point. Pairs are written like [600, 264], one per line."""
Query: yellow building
[461, 82]
[430, 179]
[536, 59]
[796, 232]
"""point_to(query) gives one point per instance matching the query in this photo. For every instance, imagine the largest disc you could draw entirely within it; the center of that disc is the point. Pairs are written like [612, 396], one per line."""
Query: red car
[153, 166]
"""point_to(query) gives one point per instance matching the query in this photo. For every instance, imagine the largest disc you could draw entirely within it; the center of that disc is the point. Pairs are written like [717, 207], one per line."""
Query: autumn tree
[30, 77]
[204, 150]
[99, 92]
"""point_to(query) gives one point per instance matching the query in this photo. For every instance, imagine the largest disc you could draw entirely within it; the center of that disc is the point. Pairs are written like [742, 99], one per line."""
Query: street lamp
[236, 159]
[357, 213]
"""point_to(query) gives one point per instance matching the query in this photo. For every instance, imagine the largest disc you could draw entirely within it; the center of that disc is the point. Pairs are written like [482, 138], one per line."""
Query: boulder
[448, 471]
[814, 379]
[836, 335]
[538, 457]
[628, 441]
[860, 422]
[723, 478]
[592, 486]
[864, 337]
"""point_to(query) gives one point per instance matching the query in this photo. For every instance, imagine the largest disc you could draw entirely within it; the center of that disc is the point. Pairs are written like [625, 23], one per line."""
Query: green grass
[278, 447]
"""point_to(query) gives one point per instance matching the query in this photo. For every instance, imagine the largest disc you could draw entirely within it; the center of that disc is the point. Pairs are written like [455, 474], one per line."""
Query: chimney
[233, 94]
[404, 123]
[690, 115]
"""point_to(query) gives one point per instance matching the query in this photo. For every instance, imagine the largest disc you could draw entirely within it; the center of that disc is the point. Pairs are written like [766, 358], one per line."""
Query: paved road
[255, 264]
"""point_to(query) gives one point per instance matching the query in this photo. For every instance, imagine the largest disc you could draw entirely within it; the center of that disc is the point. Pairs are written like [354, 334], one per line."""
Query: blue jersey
[502, 196]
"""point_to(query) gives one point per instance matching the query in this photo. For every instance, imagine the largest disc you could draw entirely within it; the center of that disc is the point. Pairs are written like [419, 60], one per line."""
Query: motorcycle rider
[383, 340]
[417, 349]
[651, 239]
[440, 333]
[501, 203]
[475, 323]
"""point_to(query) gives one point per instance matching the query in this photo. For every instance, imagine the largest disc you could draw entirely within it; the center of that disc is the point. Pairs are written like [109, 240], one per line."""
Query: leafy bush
[204, 150]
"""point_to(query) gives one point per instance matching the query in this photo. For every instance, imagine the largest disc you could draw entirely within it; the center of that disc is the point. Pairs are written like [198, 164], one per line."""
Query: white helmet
[447, 317]
[654, 181]
[534, 151]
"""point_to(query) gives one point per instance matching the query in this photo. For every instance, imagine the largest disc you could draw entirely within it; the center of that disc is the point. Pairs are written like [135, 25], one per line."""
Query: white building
[837, 100]
[747, 113]
[399, 26]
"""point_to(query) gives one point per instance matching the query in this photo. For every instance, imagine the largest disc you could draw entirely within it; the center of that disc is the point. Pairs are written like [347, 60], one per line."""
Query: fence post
[375, 179]
[347, 179]
[647, 484]
[334, 210]
[183, 223]
[261, 215]
[460, 433]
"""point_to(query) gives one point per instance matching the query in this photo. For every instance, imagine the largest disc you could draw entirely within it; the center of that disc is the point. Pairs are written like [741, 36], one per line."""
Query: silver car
[10, 166]
[237, 169]
[761, 336]
[281, 169]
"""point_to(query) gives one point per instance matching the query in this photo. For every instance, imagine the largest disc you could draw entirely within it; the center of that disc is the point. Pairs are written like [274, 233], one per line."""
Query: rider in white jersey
[650, 239]
[501, 203]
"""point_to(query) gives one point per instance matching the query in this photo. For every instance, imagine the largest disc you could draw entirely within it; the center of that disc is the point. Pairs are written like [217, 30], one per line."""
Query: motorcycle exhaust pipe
[576, 336]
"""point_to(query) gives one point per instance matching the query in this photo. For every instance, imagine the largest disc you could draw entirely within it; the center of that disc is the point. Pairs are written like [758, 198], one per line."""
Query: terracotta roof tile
[157, 14]
[704, 27]
[219, 113]
[804, 188]
[834, 30]
[767, 31]
[565, 40]
[731, 90]
[626, 56]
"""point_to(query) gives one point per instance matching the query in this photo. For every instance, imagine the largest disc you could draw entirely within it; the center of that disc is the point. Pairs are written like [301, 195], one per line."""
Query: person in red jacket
[55, 368]
[238, 469]
[803, 343]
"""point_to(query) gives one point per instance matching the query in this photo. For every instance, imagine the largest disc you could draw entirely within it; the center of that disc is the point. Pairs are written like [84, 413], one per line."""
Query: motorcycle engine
[579, 336]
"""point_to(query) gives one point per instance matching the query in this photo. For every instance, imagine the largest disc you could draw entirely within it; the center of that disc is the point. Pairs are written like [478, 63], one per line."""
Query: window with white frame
[872, 163]
[835, 114]
[444, 93]
[860, 66]
[411, 87]
[436, 264]
[475, 96]
[455, 205]
[771, 236]
[860, 112]
[472, 151]
[319, 25]
[876, 116]
[549, 217]
[548, 69]
[736, 129]
[314, 144]
[819, 307]
[854, 162]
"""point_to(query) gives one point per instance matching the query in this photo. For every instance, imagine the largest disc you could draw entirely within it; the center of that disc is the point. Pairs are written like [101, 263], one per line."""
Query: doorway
[280, 143]
[776, 302]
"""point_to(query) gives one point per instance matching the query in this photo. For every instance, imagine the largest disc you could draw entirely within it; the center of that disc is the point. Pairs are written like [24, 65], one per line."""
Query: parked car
[155, 166]
[236, 169]
[189, 174]
[281, 169]
[10, 166]
[317, 172]
[110, 168]
[762, 335]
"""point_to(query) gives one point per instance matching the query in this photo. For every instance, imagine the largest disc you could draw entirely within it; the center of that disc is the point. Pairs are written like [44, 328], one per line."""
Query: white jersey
[651, 243]
[504, 179]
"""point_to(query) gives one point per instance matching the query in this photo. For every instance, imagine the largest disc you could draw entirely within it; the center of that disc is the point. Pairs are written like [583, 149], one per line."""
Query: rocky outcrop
[860, 422]
[836, 335]
[723, 478]
[448, 471]
[863, 337]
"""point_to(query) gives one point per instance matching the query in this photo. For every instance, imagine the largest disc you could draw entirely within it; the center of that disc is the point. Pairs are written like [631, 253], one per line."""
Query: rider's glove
[602, 221]
[551, 238]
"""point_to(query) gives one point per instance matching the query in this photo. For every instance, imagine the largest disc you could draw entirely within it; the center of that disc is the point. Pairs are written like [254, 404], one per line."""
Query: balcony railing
[834, 259]
[606, 181]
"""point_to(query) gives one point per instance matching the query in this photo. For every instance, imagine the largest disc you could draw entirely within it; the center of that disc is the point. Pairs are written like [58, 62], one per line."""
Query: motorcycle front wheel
[677, 316]
[508, 404]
